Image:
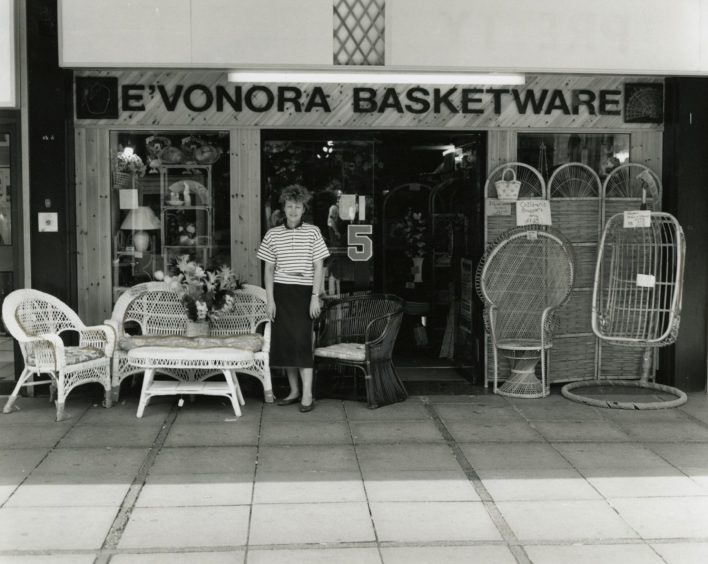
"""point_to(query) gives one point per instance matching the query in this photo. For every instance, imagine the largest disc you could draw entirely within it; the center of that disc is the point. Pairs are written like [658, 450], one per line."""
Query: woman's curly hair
[295, 193]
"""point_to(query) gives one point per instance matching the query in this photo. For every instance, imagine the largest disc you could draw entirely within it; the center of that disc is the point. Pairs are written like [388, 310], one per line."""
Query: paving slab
[536, 484]
[44, 435]
[682, 552]
[304, 523]
[54, 528]
[92, 464]
[315, 458]
[374, 458]
[315, 556]
[565, 520]
[407, 485]
[433, 521]
[306, 432]
[476, 412]
[540, 456]
[470, 431]
[185, 527]
[59, 491]
[580, 431]
[447, 555]
[665, 518]
[78, 558]
[593, 553]
[232, 433]
[188, 489]
[192, 557]
[308, 486]
[205, 460]
[110, 436]
[395, 431]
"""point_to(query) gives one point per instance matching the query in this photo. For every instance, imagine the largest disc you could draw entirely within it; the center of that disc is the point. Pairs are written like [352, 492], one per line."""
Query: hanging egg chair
[637, 300]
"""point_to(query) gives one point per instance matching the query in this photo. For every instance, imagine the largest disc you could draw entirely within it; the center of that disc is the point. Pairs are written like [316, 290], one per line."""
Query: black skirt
[291, 332]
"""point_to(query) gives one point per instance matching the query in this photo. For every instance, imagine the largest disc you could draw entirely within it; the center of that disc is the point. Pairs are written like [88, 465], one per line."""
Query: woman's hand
[270, 310]
[315, 307]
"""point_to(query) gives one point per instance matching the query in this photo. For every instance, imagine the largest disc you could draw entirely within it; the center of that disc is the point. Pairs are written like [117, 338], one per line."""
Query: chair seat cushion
[343, 351]
[75, 355]
[251, 342]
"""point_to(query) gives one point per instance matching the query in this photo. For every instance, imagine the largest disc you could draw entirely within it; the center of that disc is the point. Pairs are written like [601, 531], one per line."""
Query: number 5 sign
[360, 248]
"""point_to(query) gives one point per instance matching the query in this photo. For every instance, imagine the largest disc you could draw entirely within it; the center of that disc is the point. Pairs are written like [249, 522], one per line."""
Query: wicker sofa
[151, 314]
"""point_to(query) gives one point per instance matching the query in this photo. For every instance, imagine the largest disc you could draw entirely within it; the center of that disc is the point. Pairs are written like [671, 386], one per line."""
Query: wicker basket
[508, 189]
[124, 180]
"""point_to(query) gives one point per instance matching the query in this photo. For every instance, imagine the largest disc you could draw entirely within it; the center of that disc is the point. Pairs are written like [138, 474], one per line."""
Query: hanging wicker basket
[122, 180]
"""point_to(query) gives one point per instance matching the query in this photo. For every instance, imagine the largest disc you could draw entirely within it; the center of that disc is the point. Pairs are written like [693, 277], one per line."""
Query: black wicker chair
[360, 332]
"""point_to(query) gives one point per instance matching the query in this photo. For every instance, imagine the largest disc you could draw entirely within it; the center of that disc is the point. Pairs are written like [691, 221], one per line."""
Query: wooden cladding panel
[246, 207]
[93, 221]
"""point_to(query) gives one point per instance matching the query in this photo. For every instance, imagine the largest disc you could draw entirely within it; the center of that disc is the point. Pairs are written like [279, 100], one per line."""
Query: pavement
[443, 479]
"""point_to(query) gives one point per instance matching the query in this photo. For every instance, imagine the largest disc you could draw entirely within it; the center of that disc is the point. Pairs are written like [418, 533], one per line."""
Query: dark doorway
[416, 197]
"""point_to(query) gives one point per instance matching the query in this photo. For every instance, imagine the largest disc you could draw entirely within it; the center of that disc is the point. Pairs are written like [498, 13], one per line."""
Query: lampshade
[140, 219]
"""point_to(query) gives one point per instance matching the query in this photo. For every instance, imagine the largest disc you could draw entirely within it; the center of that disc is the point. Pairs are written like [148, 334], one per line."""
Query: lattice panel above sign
[359, 32]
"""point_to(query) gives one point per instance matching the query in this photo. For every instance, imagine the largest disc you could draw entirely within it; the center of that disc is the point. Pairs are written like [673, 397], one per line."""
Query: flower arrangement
[127, 161]
[205, 293]
[414, 230]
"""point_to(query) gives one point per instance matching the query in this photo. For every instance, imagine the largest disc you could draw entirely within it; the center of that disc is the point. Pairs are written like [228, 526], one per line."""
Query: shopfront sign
[191, 98]
[416, 100]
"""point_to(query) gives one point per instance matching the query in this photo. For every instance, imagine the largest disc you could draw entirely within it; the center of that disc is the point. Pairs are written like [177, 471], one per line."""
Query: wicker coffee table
[187, 367]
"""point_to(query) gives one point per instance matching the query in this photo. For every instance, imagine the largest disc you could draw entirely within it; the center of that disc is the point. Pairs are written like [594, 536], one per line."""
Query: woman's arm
[315, 306]
[270, 300]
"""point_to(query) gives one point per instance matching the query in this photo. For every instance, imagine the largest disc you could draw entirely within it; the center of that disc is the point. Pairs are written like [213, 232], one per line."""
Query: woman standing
[293, 254]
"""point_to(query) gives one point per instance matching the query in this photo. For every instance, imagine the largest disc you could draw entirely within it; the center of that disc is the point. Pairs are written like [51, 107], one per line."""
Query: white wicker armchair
[36, 320]
[159, 314]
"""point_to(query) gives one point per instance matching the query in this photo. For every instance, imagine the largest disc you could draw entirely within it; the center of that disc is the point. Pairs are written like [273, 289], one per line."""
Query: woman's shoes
[307, 408]
[288, 401]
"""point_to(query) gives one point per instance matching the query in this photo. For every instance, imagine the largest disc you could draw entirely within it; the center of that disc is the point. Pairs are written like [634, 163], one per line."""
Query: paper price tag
[646, 280]
[637, 218]
[495, 207]
[529, 212]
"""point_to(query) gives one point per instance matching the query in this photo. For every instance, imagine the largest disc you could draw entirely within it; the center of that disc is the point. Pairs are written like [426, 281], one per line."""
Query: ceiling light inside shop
[351, 76]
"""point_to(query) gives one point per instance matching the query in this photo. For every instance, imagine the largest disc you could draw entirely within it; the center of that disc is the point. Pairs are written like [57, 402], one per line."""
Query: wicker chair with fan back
[522, 279]
[360, 332]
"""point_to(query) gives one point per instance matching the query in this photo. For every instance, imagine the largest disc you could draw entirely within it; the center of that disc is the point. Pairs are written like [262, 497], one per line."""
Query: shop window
[547, 151]
[169, 197]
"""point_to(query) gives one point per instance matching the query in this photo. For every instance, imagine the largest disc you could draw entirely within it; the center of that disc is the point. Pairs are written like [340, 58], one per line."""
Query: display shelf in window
[187, 212]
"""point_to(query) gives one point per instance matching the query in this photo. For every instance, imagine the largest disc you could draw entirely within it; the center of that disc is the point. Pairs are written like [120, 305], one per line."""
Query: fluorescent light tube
[351, 76]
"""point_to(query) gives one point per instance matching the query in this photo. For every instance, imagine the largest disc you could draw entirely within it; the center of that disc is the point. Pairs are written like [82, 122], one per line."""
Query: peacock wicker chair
[637, 299]
[37, 320]
[522, 279]
[574, 180]
[360, 332]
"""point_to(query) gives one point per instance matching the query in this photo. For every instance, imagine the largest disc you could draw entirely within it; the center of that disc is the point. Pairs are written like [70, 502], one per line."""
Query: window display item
[171, 155]
[140, 220]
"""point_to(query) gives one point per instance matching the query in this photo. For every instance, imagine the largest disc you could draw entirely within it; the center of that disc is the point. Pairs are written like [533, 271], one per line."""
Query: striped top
[293, 251]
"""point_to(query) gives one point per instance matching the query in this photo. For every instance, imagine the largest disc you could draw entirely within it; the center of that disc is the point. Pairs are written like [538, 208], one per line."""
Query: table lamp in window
[139, 220]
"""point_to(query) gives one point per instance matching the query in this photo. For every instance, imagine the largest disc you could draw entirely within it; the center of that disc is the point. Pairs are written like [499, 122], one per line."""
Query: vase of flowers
[127, 168]
[206, 294]
[415, 231]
